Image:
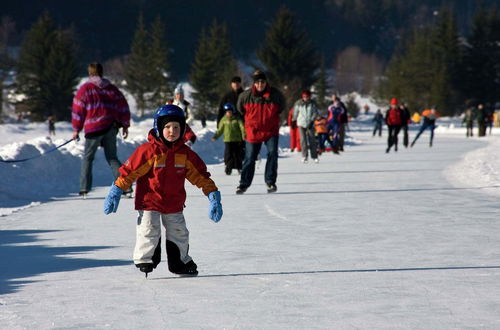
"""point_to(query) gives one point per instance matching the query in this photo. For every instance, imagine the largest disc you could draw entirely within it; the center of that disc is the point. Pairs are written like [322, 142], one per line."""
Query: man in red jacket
[260, 106]
[100, 109]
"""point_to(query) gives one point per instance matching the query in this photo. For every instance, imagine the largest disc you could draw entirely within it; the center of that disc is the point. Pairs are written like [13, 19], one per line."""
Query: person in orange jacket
[321, 126]
[430, 116]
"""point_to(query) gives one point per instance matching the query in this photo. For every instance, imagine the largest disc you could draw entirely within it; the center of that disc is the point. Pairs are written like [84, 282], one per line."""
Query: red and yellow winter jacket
[161, 171]
[261, 112]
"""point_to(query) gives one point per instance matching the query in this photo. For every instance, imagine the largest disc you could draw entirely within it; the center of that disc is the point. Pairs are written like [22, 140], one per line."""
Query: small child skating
[160, 167]
[321, 126]
[234, 133]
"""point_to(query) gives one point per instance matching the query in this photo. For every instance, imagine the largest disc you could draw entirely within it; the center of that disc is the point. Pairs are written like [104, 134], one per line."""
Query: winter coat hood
[99, 82]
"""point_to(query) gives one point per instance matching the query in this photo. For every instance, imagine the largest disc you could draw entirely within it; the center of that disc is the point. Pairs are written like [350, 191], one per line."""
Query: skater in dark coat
[481, 120]
[231, 97]
[160, 168]
[468, 120]
[405, 120]
[378, 119]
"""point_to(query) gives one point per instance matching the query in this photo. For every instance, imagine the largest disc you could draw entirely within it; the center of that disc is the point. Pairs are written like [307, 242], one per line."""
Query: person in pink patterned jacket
[99, 109]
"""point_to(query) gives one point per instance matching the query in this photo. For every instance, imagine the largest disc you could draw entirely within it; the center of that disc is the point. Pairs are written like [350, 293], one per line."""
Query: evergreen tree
[321, 86]
[425, 73]
[7, 27]
[62, 75]
[482, 57]
[222, 52]
[447, 53]
[288, 55]
[138, 67]
[47, 70]
[202, 75]
[160, 76]
[212, 68]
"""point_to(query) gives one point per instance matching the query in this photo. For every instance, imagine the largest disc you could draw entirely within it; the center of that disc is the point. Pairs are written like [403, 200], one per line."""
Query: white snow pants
[148, 233]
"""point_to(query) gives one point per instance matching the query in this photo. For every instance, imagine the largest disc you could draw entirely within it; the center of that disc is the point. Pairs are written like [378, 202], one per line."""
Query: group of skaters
[483, 116]
[159, 167]
[311, 130]
[397, 118]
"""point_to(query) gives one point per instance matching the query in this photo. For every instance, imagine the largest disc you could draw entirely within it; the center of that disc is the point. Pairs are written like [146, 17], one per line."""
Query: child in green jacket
[234, 133]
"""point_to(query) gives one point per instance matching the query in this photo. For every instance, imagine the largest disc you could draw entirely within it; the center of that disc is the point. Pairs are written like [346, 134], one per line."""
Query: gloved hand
[113, 199]
[215, 208]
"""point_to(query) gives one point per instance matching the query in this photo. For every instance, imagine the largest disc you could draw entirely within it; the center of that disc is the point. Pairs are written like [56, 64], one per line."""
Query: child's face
[229, 113]
[172, 131]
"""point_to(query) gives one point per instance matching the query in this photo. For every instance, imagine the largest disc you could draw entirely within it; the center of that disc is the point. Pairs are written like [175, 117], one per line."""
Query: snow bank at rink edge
[478, 168]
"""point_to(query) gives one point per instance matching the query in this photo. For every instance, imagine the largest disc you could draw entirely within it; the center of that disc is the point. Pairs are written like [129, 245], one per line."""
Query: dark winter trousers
[308, 142]
[422, 129]
[378, 127]
[341, 137]
[252, 150]
[405, 135]
[469, 127]
[108, 142]
[392, 140]
[323, 139]
[481, 130]
[233, 156]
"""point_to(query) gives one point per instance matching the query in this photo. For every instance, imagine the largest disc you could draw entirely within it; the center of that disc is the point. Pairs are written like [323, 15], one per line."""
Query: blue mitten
[112, 200]
[215, 208]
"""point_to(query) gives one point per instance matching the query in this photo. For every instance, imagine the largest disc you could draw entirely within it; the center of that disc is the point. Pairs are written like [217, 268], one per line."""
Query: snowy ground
[364, 240]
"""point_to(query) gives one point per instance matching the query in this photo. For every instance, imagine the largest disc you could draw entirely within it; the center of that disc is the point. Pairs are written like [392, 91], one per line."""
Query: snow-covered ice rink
[365, 240]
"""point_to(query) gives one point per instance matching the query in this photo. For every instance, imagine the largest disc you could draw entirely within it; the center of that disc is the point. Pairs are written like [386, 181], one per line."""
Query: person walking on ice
[305, 112]
[160, 167]
[261, 106]
[100, 109]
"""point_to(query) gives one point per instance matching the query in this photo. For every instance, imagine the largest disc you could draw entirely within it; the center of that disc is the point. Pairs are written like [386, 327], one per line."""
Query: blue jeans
[422, 129]
[252, 150]
[108, 142]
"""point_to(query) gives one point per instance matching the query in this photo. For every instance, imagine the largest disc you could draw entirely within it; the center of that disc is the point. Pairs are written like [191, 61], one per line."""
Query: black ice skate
[271, 188]
[189, 269]
[145, 268]
[240, 190]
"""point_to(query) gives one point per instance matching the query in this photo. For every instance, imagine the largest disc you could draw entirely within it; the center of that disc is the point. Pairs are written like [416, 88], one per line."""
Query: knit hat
[179, 90]
[236, 79]
[259, 75]
[394, 101]
[305, 92]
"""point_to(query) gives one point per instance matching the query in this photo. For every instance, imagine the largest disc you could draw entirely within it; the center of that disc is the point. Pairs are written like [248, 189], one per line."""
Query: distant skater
[429, 122]
[393, 121]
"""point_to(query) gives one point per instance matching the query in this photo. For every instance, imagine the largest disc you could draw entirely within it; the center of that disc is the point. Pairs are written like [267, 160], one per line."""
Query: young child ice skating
[160, 167]
[233, 129]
